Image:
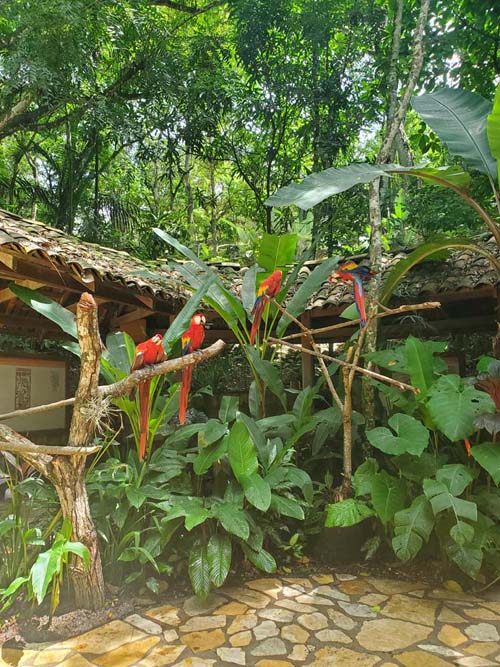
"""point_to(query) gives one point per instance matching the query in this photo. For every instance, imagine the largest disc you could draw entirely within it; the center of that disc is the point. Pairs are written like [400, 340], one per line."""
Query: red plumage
[191, 340]
[357, 274]
[267, 290]
[147, 353]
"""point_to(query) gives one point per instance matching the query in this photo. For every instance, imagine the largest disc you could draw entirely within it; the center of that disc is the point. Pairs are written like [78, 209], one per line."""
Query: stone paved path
[324, 620]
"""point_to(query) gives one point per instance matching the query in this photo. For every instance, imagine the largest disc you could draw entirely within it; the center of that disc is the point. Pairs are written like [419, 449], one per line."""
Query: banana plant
[274, 252]
[470, 127]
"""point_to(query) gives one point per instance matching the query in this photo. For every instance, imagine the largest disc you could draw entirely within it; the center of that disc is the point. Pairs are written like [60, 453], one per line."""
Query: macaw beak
[333, 277]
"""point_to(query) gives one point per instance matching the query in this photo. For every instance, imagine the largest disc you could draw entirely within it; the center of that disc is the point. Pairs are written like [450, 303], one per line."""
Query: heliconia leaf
[459, 119]
[241, 451]
[277, 251]
[248, 288]
[198, 570]
[46, 306]
[493, 131]
[311, 284]
[219, 558]
[257, 491]
[183, 319]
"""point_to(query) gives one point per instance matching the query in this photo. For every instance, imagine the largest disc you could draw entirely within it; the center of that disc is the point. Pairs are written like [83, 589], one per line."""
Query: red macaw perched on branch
[147, 353]
[191, 340]
[266, 291]
[357, 274]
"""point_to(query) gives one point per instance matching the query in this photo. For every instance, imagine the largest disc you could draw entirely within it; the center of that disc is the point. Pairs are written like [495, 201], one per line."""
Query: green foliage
[412, 436]
[47, 570]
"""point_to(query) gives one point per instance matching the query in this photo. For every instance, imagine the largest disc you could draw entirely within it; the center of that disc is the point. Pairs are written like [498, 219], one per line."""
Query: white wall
[26, 382]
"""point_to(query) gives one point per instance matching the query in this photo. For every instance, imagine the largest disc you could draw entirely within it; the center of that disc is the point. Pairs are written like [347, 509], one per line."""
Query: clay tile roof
[461, 270]
[86, 261]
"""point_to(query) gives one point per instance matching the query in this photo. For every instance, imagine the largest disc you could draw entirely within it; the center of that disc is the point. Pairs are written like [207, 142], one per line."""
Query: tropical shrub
[416, 489]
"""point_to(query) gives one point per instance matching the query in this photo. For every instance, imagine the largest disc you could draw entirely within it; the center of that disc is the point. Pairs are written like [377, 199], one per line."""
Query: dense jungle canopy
[119, 116]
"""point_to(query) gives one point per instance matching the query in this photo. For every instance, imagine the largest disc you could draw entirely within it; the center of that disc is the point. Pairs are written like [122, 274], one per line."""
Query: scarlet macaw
[266, 291]
[147, 353]
[357, 274]
[191, 340]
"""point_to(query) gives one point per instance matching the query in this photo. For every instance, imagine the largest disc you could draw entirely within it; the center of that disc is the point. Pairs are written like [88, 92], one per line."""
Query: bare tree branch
[124, 386]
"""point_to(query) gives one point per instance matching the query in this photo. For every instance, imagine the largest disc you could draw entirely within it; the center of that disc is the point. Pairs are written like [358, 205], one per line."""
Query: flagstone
[393, 586]
[205, 640]
[236, 656]
[170, 635]
[144, 624]
[265, 629]
[280, 615]
[162, 655]
[254, 599]
[103, 639]
[373, 599]
[451, 636]
[421, 659]
[292, 591]
[299, 653]
[196, 607]
[483, 649]
[195, 662]
[454, 596]
[356, 587]
[345, 577]
[406, 608]
[196, 623]
[315, 600]
[128, 654]
[482, 614]
[76, 660]
[331, 592]
[273, 646]
[242, 622]
[294, 633]
[274, 663]
[47, 656]
[232, 609]
[448, 616]
[494, 606]
[341, 620]
[482, 632]
[292, 605]
[166, 614]
[301, 581]
[390, 635]
[354, 609]
[329, 635]
[323, 578]
[269, 586]
[241, 638]
[441, 650]
[474, 661]
[332, 656]
[314, 621]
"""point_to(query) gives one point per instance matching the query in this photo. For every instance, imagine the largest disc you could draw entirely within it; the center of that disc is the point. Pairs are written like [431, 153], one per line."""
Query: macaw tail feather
[187, 374]
[258, 310]
[359, 296]
[143, 418]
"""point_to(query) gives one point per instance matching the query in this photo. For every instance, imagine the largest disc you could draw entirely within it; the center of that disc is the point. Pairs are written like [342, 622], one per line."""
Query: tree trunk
[68, 477]
[394, 120]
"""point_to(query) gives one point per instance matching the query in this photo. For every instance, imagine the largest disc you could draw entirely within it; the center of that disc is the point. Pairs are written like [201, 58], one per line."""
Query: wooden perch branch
[427, 305]
[10, 441]
[124, 386]
[376, 376]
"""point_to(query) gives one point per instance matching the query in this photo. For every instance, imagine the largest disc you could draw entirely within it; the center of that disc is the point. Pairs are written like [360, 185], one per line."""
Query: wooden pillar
[307, 359]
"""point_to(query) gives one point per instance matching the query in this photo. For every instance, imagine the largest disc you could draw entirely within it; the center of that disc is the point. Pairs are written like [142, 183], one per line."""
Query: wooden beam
[6, 294]
[8, 260]
[307, 359]
[132, 316]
